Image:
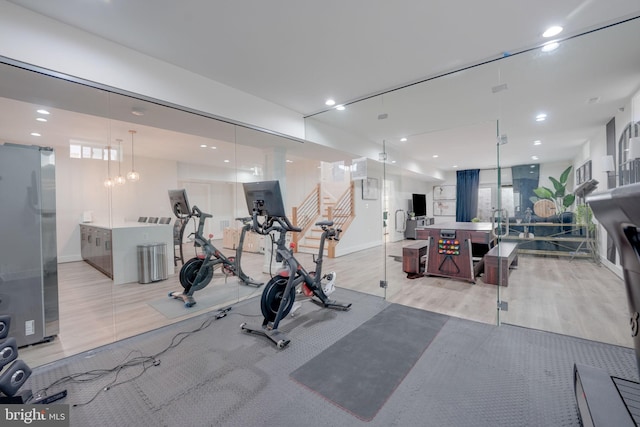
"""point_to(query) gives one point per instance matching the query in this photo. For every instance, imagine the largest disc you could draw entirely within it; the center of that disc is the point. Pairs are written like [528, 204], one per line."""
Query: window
[89, 150]
[488, 201]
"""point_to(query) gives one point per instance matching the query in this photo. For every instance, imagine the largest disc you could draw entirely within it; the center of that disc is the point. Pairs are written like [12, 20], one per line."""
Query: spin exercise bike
[197, 272]
[279, 294]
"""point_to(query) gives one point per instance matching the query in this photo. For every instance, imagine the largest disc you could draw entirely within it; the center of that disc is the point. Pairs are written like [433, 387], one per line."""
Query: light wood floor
[577, 298]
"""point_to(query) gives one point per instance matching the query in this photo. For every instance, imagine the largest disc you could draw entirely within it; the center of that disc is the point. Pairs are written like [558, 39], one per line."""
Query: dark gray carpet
[471, 374]
[361, 370]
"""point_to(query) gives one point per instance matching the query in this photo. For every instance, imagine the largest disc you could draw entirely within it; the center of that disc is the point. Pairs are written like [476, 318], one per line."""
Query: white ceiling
[298, 53]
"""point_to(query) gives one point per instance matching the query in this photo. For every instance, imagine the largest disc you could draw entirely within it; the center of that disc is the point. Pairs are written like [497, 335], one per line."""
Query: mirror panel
[170, 149]
[85, 310]
[354, 183]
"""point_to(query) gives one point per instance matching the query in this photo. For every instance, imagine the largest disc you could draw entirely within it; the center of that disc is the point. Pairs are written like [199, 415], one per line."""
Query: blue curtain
[467, 194]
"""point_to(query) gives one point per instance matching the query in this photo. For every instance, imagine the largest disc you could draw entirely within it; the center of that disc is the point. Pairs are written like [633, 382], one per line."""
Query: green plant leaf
[543, 193]
[565, 175]
[568, 200]
[558, 186]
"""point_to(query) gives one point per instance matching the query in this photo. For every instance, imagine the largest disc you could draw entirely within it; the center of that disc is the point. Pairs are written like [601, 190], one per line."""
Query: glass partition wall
[566, 108]
[525, 121]
[415, 140]
[74, 121]
[382, 169]
[117, 158]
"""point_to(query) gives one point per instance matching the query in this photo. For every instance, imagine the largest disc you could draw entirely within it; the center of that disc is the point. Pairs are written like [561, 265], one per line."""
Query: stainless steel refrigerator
[28, 253]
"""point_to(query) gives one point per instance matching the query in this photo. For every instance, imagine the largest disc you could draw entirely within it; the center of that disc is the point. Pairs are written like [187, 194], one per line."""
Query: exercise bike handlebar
[245, 220]
[199, 214]
[196, 212]
[272, 223]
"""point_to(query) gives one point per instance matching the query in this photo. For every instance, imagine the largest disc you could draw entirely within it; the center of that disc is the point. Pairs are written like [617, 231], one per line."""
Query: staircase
[321, 205]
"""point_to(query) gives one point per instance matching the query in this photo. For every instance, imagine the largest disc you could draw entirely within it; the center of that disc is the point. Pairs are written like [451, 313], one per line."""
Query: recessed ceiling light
[340, 107]
[35, 134]
[552, 31]
[213, 148]
[330, 102]
[541, 117]
[534, 157]
[41, 119]
[226, 161]
[454, 166]
[289, 161]
[550, 46]
[403, 139]
[537, 142]
[43, 111]
[203, 145]
[435, 155]
[393, 161]
[137, 111]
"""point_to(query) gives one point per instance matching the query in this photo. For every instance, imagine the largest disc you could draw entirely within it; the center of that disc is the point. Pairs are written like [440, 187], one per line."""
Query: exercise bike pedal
[333, 305]
[296, 306]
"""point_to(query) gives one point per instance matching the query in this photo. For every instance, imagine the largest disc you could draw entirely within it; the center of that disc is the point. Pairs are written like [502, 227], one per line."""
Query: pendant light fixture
[133, 176]
[119, 180]
[109, 183]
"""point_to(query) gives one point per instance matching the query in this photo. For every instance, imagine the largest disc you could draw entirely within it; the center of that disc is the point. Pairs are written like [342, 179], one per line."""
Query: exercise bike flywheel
[272, 297]
[189, 272]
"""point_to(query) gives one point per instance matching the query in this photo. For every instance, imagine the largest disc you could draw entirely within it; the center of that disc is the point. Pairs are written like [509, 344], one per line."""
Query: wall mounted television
[419, 204]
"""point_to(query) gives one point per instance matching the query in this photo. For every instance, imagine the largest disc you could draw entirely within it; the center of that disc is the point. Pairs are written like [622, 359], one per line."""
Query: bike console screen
[265, 196]
[179, 203]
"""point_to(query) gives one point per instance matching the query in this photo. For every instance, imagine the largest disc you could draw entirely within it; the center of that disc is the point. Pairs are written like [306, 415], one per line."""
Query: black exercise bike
[197, 272]
[280, 292]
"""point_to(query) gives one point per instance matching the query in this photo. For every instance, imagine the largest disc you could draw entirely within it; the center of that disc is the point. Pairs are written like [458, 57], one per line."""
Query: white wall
[597, 150]
[80, 188]
[147, 197]
[366, 230]
[399, 191]
[35, 39]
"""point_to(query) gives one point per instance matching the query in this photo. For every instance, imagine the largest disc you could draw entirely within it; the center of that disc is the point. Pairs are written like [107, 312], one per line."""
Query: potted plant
[584, 216]
[559, 196]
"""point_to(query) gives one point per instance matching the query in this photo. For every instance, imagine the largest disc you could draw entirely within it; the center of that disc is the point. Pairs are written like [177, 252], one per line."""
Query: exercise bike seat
[325, 222]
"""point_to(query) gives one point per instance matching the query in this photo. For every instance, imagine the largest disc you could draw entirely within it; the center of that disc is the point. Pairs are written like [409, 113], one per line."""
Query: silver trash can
[152, 262]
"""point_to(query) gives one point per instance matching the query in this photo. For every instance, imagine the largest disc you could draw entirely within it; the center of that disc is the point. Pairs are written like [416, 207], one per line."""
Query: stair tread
[311, 247]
